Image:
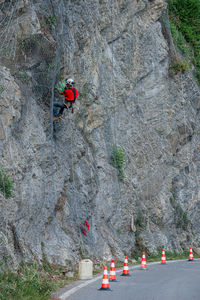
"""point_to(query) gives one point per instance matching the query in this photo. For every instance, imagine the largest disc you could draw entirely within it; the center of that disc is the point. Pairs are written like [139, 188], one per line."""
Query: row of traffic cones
[125, 272]
[112, 277]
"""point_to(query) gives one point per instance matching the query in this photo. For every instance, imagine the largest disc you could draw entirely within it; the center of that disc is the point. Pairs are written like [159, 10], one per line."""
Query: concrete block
[85, 269]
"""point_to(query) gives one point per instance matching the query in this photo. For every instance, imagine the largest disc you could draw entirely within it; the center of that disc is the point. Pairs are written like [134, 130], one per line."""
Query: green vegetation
[178, 66]
[139, 245]
[36, 44]
[140, 221]
[32, 281]
[47, 21]
[98, 268]
[37, 282]
[23, 76]
[6, 185]
[117, 160]
[185, 27]
[151, 257]
[169, 255]
[180, 216]
[25, 44]
[51, 21]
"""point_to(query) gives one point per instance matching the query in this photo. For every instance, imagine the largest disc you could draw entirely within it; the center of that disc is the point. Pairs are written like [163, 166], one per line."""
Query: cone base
[104, 289]
[125, 275]
[163, 263]
[190, 259]
[113, 280]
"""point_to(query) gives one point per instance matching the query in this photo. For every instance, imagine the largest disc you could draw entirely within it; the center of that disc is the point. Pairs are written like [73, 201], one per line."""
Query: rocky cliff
[119, 53]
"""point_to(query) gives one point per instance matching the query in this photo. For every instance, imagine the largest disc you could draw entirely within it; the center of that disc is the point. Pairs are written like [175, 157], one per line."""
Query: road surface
[178, 280]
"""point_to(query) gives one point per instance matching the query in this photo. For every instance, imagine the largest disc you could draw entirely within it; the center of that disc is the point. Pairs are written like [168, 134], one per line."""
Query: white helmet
[70, 81]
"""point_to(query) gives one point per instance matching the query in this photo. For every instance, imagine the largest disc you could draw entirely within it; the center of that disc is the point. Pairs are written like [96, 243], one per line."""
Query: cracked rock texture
[119, 53]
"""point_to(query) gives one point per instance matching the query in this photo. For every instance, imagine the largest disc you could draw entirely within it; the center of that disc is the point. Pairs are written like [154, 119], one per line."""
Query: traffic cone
[191, 255]
[125, 269]
[105, 282]
[163, 258]
[143, 264]
[112, 276]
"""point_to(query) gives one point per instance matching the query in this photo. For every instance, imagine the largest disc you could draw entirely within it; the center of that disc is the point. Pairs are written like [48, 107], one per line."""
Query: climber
[84, 226]
[70, 93]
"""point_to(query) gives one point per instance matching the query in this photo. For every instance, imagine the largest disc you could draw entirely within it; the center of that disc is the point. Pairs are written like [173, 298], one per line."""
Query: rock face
[119, 54]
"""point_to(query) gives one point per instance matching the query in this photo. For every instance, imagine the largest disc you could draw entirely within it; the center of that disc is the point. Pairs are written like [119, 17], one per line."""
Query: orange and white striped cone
[163, 258]
[112, 276]
[125, 269]
[191, 255]
[143, 264]
[105, 282]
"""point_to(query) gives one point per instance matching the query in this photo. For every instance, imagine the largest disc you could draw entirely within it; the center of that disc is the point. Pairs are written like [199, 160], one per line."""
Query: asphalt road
[178, 280]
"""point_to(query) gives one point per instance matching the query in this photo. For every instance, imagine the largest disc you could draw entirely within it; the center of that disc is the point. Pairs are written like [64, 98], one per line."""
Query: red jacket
[69, 94]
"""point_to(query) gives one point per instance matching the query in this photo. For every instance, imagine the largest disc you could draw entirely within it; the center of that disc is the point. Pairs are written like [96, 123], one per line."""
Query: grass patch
[178, 66]
[118, 265]
[184, 18]
[97, 269]
[47, 21]
[152, 257]
[180, 216]
[38, 282]
[169, 256]
[117, 160]
[140, 220]
[23, 76]
[32, 281]
[6, 185]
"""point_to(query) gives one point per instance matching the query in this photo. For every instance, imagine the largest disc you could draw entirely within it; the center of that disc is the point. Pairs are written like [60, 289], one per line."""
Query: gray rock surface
[119, 56]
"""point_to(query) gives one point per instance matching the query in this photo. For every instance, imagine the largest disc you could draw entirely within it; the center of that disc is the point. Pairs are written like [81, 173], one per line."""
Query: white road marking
[66, 294]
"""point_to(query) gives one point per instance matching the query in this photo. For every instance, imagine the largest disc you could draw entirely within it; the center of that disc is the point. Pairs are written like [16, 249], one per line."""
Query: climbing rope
[117, 192]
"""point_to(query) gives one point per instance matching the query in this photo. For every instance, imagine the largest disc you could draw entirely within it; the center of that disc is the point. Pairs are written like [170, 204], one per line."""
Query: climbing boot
[56, 119]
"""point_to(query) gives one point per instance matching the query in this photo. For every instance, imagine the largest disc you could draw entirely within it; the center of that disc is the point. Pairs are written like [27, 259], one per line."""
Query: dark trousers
[61, 106]
[55, 106]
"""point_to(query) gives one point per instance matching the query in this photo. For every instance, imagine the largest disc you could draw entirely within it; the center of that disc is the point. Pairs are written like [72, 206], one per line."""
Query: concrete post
[85, 269]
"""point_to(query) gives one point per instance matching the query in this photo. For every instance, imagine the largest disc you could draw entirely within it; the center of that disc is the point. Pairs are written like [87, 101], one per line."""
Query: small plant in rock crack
[6, 185]
[52, 21]
[181, 218]
[178, 66]
[117, 160]
[1, 89]
[140, 221]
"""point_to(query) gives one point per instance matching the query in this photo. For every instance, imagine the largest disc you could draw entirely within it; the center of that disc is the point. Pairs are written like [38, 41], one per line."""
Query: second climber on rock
[70, 93]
